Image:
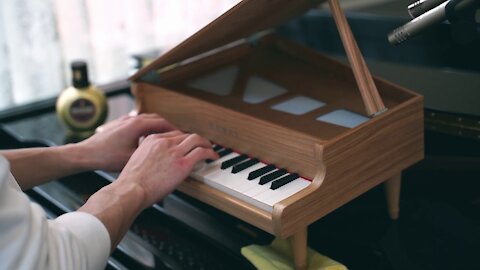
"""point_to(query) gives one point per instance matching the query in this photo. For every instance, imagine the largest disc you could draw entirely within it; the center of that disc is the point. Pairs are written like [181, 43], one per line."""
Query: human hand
[163, 161]
[111, 148]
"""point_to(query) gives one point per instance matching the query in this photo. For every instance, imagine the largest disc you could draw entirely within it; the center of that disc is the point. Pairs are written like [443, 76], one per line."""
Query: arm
[35, 166]
[161, 163]
[108, 150]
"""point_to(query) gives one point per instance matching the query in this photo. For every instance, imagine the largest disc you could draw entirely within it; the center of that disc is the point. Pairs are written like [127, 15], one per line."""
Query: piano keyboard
[248, 179]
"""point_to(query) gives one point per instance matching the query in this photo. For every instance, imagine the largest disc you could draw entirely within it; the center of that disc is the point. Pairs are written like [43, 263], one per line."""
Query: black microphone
[436, 15]
[419, 7]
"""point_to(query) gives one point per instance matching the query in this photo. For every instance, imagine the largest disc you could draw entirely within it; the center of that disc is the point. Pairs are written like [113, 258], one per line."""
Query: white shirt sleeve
[29, 241]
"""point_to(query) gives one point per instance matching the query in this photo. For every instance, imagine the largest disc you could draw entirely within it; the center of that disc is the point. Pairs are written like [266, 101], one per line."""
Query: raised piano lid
[243, 20]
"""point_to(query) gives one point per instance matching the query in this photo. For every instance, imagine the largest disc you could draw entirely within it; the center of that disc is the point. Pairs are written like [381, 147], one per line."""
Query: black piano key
[260, 172]
[272, 176]
[224, 152]
[221, 154]
[284, 180]
[242, 166]
[220, 151]
[229, 163]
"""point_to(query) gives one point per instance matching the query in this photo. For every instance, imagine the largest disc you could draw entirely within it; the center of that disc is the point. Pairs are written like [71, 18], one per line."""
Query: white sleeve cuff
[91, 234]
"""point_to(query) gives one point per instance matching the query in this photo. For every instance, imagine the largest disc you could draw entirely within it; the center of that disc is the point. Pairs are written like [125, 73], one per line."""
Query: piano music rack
[344, 162]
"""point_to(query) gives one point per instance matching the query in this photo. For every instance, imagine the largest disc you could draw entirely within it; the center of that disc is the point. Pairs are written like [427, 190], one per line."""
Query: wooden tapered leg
[392, 191]
[298, 241]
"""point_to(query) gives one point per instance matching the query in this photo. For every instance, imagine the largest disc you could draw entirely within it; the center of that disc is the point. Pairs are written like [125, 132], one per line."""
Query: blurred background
[38, 39]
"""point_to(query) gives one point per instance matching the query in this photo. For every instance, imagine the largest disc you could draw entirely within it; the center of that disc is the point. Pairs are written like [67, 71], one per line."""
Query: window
[38, 39]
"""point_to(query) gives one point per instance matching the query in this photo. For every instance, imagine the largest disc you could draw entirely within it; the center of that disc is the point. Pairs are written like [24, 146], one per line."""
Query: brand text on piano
[223, 130]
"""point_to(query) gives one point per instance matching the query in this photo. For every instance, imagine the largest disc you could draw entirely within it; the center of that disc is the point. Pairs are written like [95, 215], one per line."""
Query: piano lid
[243, 20]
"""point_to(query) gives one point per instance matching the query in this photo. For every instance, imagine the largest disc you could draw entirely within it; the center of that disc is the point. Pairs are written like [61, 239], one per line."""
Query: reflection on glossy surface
[47, 126]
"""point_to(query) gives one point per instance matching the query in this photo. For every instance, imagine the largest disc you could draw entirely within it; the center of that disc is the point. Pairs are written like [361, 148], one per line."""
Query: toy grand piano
[299, 134]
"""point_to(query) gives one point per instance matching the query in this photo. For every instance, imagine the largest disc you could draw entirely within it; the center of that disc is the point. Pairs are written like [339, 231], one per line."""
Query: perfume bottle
[82, 107]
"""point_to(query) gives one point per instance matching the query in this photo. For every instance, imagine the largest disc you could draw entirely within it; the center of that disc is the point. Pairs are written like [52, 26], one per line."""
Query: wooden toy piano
[327, 132]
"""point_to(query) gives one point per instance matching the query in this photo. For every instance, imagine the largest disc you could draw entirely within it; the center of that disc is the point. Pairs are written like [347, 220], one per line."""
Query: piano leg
[298, 242]
[392, 191]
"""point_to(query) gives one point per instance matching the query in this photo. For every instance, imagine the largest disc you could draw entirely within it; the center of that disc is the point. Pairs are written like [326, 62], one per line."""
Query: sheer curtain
[38, 39]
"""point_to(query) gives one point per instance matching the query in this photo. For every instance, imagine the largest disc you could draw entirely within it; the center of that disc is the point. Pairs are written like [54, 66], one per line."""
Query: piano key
[236, 184]
[250, 191]
[272, 176]
[283, 181]
[256, 189]
[265, 198]
[261, 171]
[242, 183]
[242, 166]
[211, 167]
[271, 197]
[224, 152]
[217, 148]
[226, 181]
[221, 153]
[229, 163]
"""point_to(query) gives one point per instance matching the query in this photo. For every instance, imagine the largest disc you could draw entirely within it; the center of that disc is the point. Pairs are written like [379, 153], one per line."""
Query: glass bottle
[82, 106]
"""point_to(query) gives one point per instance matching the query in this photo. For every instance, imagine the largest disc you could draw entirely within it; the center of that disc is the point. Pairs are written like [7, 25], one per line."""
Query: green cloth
[278, 256]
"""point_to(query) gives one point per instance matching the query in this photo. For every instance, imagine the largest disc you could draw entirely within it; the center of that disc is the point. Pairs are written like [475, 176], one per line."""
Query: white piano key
[271, 197]
[211, 167]
[257, 189]
[249, 191]
[229, 180]
[246, 184]
[239, 195]
[225, 181]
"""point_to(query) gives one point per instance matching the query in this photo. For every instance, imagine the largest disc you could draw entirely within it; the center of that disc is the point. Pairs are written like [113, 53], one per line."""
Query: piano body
[284, 105]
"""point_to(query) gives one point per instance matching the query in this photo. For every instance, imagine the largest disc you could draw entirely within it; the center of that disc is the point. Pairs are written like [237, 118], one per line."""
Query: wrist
[116, 206]
[81, 157]
[74, 159]
[134, 194]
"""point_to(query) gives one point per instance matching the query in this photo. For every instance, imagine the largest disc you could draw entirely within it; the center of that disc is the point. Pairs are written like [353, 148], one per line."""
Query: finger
[107, 126]
[146, 126]
[171, 134]
[124, 117]
[165, 135]
[200, 154]
[170, 140]
[193, 141]
[110, 124]
[149, 115]
[100, 129]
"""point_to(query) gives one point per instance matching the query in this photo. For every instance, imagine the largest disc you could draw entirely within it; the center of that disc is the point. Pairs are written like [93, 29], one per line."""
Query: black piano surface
[438, 226]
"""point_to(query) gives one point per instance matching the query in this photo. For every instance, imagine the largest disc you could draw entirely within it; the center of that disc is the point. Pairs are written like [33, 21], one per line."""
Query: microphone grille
[398, 36]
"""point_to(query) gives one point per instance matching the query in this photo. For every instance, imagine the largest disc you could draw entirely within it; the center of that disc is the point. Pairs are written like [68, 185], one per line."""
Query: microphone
[419, 7]
[436, 15]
